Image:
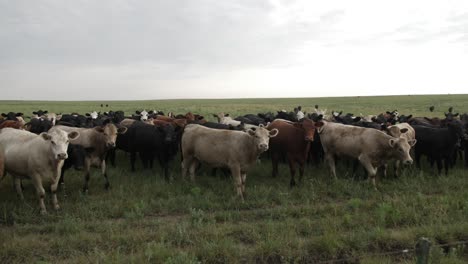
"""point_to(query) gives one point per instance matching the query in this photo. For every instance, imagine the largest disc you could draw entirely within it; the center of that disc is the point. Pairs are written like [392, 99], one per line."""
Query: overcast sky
[156, 49]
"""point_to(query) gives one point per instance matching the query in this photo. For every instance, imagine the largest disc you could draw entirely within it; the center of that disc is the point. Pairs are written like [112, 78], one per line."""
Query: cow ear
[412, 142]
[45, 136]
[19, 114]
[35, 113]
[392, 142]
[73, 135]
[251, 132]
[403, 130]
[455, 114]
[87, 114]
[215, 115]
[410, 116]
[273, 133]
[261, 125]
[122, 130]
[226, 114]
[99, 129]
[45, 112]
[137, 112]
[357, 119]
[4, 115]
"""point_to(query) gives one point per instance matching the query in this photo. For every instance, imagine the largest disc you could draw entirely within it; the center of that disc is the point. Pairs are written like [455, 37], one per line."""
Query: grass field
[145, 219]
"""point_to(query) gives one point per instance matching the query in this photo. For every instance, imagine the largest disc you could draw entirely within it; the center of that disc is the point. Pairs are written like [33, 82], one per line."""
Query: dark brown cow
[293, 140]
[12, 124]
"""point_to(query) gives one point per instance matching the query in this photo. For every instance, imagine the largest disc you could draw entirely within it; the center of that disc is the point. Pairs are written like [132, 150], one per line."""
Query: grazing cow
[371, 147]
[38, 157]
[98, 140]
[438, 144]
[235, 150]
[161, 140]
[293, 140]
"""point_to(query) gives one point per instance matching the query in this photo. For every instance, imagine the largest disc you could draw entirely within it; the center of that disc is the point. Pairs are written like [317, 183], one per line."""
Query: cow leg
[132, 160]
[371, 170]
[104, 173]
[446, 165]
[292, 170]
[439, 166]
[111, 156]
[54, 186]
[37, 181]
[86, 175]
[417, 157]
[301, 170]
[244, 178]
[164, 162]
[331, 164]
[396, 169]
[19, 189]
[274, 163]
[236, 175]
[193, 167]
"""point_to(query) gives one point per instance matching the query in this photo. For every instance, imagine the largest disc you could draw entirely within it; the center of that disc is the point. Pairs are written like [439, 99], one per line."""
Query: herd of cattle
[49, 144]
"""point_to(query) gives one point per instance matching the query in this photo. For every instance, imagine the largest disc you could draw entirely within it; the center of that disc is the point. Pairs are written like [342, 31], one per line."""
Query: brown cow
[293, 140]
[12, 124]
[236, 150]
[373, 148]
[97, 141]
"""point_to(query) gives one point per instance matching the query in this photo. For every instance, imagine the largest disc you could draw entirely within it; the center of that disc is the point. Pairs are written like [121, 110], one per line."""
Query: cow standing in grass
[37, 157]
[236, 150]
[97, 141]
[373, 148]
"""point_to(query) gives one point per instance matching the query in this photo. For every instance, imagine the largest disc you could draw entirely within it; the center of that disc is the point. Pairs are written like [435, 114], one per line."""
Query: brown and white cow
[236, 150]
[97, 141]
[373, 148]
[38, 157]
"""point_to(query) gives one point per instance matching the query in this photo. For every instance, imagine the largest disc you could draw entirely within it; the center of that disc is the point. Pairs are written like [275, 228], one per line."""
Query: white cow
[37, 157]
[236, 150]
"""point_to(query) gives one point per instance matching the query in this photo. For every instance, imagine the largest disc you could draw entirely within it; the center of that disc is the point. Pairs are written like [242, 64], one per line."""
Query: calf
[235, 150]
[99, 140]
[38, 157]
[371, 147]
[293, 140]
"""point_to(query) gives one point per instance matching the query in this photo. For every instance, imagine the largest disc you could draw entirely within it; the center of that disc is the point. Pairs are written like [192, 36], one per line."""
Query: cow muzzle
[263, 147]
[408, 162]
[62, 156]
[110, 144]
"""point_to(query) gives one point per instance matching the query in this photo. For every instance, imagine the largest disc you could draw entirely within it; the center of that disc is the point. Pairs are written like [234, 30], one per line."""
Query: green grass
[145, 219]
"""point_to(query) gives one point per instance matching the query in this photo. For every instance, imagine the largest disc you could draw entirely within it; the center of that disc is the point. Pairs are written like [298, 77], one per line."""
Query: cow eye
[53, 142]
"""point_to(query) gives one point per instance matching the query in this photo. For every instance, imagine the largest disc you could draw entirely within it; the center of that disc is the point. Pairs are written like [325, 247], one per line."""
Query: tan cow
[236, 150]
[97, 141]
[373, 148]
[403, 130]
[38, 157]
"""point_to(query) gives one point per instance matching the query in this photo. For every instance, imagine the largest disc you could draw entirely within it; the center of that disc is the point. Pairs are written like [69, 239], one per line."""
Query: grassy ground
[145, 219]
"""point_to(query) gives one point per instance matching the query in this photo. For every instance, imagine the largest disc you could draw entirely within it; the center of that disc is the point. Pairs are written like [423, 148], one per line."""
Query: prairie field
[145, 219]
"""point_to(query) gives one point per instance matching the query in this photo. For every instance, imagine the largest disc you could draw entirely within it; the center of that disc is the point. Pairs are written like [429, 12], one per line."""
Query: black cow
[11, 116]
[291, 116]
[115, 116]
[222, 126]
[40, 113]
[267, 117]
[75, 120]
[437, 144]
[38, 125]
[76, 159]
[150, 141]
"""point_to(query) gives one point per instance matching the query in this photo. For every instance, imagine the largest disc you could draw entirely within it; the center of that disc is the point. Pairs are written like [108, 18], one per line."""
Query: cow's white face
[58, 141]
[401, 148]
[94, 115]
[262, 136]
[144, 115]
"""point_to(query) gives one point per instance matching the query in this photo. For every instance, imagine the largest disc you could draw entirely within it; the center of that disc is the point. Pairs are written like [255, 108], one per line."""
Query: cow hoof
[57, 207]
[84, 191]
[107, 186]
[43, 211]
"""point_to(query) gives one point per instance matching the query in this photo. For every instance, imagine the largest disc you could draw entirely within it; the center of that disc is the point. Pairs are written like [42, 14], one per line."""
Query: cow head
[109, 131]
[93, 115]
[262, 136]
[58, 141]
[169, 132]
[11, 116]
[401, 148]
[309, 128]
[143, 115]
